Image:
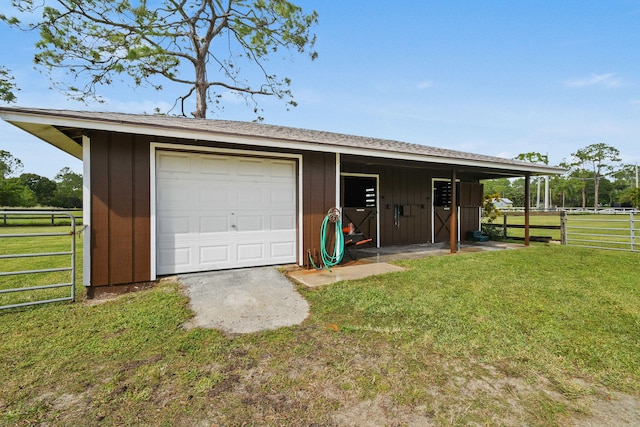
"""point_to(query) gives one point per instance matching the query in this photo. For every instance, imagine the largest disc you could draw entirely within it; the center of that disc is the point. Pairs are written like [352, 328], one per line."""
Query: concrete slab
[315, 278]
[244, 300]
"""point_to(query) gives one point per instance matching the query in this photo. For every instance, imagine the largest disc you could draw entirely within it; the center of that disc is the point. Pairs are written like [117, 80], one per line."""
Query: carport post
[453, 217]
[527, 207]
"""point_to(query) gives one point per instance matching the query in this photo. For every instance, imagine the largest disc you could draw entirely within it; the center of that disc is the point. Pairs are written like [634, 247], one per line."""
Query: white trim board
[86, 210]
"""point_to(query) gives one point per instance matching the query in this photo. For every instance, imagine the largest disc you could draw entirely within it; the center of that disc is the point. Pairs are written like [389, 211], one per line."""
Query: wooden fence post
[504, 225]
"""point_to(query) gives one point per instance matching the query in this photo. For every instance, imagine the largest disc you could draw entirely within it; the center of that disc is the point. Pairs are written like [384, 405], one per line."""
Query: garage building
[166, 195]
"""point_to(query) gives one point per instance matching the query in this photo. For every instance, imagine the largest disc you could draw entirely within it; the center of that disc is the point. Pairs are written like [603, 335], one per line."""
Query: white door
[218, 211]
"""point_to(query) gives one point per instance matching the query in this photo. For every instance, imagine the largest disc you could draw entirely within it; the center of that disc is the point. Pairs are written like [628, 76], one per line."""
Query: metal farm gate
[602, 230]
[14, 278]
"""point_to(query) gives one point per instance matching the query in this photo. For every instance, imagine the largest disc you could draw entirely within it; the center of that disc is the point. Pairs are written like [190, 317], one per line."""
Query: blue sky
[492, 77]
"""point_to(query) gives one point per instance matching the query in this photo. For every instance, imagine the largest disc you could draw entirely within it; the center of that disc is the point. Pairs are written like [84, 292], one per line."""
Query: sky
[491, 77]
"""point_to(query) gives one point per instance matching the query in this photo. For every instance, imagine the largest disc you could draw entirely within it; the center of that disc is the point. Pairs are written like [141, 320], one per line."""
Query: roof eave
[31, 122]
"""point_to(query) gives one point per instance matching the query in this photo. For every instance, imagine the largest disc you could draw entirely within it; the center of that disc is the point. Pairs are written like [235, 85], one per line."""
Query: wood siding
[406, 187]
[318, 196]
[120, 203]
[471, 200]
[120, 214]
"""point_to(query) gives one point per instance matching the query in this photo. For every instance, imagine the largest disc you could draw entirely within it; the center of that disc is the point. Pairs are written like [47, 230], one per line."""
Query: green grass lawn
[519, 337]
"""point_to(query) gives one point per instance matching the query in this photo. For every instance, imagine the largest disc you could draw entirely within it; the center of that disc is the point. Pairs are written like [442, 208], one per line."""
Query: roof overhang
[49, 133]
[63, 129]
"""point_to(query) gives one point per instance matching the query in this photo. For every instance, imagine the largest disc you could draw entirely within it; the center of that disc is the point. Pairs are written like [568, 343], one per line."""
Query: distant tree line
[29, 189]
[595, 178]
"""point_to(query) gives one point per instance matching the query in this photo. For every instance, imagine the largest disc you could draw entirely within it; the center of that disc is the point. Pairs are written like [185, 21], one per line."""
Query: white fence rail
[603, 229]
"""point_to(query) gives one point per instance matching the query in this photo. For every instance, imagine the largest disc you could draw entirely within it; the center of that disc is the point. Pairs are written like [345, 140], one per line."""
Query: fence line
[508, 209]
[71, 268]
[505, 226]
[9, 214]
[617, 229]
[600, 232]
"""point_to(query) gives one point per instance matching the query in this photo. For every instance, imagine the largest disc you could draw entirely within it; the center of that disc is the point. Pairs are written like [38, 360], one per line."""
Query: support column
[453, 217]
[527, 207]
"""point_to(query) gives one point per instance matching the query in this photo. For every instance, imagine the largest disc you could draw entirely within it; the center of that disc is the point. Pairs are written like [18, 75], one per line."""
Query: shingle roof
[325, 141]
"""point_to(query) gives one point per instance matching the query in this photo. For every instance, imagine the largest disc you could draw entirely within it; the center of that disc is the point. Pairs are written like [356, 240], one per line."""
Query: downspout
[527, 207]
[453, 217]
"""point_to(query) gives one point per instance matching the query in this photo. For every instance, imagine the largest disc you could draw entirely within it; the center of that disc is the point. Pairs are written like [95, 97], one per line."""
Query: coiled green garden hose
[333, 259]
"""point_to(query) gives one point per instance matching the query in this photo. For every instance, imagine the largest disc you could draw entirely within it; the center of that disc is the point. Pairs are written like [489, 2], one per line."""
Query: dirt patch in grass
[610, 409]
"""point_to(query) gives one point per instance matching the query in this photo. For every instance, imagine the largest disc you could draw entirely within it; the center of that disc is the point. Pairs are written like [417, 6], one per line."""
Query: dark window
[359, 192]
[442, 193]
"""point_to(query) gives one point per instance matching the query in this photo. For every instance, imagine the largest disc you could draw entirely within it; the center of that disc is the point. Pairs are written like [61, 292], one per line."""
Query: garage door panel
[249, 195]
[282, 250]
[178, 257]
[282, 194]
[282, 169]
[171, 163]
[226, 212]
[251, 167]
[249, 223]
[171, 196]
[168, 226]
[282, 222]
[213, 196]
[250, 252]
[213, 224]
[214, 165]
[215, 254]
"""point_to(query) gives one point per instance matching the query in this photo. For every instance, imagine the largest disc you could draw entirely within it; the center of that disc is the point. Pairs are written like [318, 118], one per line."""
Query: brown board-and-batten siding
[409, 188]
[318, 196]
[120, 209]
[471, 199]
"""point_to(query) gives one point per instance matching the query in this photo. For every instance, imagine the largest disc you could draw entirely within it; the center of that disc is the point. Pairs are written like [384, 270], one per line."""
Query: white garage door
[218, 211]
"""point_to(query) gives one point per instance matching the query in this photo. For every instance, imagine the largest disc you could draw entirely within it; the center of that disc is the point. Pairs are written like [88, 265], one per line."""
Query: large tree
[43, 188]
[68, 189]
[9, 165]
[210, 46]
[7, 86]
[599, 159]
[12, 191]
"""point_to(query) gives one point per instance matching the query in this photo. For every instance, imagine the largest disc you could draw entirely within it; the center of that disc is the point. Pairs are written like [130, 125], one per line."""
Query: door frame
[433, 209]
[155, 146]
[365, 175]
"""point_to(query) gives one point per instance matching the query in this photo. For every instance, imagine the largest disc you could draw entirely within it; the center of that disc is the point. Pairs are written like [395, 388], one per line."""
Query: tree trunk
[201, 88]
